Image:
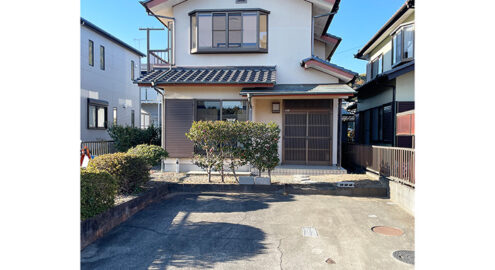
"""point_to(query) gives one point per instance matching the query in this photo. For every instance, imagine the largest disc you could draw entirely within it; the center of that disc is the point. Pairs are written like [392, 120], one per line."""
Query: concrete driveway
[255, 231]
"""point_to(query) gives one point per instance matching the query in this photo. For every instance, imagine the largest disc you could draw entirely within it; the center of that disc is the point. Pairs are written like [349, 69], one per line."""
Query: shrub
[98, 190]
[126, 137]
[235, 142]
[152, 154]
[130, 171]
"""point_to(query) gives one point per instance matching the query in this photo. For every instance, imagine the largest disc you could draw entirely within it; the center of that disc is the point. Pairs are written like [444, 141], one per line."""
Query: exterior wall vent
[345, 184]
[241, 1]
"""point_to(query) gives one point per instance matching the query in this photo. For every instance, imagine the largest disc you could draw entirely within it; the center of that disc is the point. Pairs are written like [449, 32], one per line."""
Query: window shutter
[178, 121]
[368, 72]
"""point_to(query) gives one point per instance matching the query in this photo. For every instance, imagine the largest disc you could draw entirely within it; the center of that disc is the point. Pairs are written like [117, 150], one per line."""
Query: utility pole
[147, 29]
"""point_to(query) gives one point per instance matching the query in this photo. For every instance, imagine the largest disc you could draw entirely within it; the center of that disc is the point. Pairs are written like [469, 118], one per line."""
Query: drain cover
[309, 232]
[406, 256]
[387, 230]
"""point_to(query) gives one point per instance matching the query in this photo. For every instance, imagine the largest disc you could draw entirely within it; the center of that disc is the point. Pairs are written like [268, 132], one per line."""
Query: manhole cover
[406, 256]
[387, 230]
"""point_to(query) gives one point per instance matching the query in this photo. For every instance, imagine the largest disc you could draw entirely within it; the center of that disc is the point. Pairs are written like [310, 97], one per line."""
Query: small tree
[204, 139]
[263, 146]
[236, 154]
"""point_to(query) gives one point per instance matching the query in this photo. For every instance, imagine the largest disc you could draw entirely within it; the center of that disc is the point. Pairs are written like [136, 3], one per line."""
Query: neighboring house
[108, 94]
[151, 107]
[252, 60]
[389, 87]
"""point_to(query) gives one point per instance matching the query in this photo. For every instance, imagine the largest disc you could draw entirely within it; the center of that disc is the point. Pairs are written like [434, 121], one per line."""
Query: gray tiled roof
[211, 75]
[299, 89]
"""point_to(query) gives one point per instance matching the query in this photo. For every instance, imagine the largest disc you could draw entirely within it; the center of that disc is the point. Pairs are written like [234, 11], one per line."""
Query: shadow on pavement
[161, 236]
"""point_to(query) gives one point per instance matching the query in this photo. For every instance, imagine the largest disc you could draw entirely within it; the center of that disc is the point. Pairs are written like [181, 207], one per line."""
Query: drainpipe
[394, 112]
[161, 91]
[250, 108]
[313, 30]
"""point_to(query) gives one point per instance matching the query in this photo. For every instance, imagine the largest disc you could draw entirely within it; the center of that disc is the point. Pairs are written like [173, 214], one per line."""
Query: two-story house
[252, 60]
[108, 95]
[385, 108]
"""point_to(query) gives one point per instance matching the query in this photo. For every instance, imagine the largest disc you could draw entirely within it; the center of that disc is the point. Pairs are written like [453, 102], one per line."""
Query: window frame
[227, 49]
[221, 107]
[102, 57]
[91, 53]
[380, 66]
[400, 30]
[132, 70]
[97, 104]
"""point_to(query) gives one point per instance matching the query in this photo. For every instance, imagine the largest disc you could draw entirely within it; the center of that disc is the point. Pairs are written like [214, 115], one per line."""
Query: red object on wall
[405, 123]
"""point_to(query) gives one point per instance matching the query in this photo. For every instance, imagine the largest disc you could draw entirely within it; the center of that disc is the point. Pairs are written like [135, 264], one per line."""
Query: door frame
[306, 111]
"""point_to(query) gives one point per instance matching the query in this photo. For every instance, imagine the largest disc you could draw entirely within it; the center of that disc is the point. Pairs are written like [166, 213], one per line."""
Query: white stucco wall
[405, 87]
[113, 84]
[289, 39]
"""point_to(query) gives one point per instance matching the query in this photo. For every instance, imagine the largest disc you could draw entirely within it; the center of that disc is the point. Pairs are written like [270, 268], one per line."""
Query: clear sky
[356, 22]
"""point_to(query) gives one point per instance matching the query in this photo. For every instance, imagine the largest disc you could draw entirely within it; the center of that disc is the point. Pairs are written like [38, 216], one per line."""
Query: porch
[287, 169]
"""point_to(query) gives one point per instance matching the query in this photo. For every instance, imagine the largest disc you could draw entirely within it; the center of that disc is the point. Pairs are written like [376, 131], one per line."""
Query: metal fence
[97, 148]
[394, 162]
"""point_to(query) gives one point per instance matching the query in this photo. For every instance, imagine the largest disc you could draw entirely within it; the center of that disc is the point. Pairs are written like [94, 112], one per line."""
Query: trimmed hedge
[152, 154]
[98, 191]
[126, 137]
[130, 171]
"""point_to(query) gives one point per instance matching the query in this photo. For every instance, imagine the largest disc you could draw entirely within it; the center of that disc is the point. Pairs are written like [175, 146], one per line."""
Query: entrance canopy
[300, 90]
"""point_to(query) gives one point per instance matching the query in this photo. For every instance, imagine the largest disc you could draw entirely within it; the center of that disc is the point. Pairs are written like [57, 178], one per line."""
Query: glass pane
[219, 39]
[234, 38]
[380, 65]
[408, 42]
[194, 30]
[204, 28]
[92, 117]
[101, 117]
[91, 53]
[152, 94]
[115, 116]
[132, 70]
[234, 110]
[374, 124]
[219, 21]
[263, 31]
[102, 57]
[235, 21]
[208, 110]
[249, 29]
[398, 47]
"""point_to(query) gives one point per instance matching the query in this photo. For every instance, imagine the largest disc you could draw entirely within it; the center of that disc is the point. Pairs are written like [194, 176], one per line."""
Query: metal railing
[97, 148]
[393, 162]
[159, 57]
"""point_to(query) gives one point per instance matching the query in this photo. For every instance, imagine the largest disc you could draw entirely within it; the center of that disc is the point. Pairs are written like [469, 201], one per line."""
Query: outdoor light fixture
[275, 107]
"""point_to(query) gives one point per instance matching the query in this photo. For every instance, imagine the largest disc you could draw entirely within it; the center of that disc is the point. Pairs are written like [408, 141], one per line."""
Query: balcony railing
[159, 58]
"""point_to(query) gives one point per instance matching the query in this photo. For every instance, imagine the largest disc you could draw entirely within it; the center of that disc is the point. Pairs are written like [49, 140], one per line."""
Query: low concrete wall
[95, 227]
[402, 195]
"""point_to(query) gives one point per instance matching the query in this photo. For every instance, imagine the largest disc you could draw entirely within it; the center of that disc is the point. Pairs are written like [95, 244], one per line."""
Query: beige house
[385, 108]
[251, 60]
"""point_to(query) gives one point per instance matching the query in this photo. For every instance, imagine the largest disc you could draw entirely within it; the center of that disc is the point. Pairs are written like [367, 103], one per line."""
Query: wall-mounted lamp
[275, 107]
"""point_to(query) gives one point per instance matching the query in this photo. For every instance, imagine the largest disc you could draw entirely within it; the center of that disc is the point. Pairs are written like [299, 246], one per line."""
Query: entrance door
[307, 134]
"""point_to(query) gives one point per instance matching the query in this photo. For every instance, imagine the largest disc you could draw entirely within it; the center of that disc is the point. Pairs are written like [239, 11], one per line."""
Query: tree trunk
[235, 175]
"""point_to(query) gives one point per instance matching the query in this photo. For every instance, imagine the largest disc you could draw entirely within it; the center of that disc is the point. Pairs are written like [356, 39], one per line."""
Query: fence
[394, 162]
[99, 147]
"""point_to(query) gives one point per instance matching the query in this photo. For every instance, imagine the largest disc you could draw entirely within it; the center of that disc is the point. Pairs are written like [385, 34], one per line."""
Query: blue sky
[356, 22]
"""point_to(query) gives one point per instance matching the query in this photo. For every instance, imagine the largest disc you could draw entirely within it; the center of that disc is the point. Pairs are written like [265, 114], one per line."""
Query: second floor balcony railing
[159, 58]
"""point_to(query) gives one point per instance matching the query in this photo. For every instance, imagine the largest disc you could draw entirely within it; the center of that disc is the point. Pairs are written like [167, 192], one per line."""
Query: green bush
[130, 171]
[126, 137]
[152, 154]
[236, 143]
[98, 190]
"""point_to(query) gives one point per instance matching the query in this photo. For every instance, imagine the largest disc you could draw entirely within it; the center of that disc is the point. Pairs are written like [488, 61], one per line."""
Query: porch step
[302, 170]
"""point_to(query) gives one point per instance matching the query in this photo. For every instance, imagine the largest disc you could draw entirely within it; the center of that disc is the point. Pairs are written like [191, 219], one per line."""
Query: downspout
[394, 112]
[161, 91]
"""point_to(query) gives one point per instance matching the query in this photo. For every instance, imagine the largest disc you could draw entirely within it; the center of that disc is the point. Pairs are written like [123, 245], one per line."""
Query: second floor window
[132, 70]
[91, 53]
[376, 67]
[229, 31]
[403, 44]
[102, 58]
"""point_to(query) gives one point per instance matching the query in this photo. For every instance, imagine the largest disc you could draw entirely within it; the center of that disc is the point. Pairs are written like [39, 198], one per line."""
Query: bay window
[403, 44]
[228, 31]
